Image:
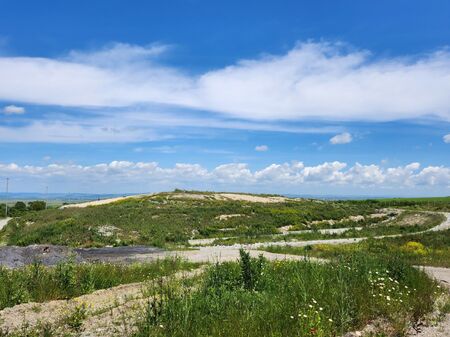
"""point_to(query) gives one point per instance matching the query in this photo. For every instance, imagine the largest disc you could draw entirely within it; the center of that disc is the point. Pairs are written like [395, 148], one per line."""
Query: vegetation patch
[38, 283]
[431, 248]
[255, 297]
[399, 226]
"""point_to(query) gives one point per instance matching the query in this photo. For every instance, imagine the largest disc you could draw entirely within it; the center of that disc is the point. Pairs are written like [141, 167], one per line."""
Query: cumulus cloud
[261, 148]
[291, 174]
[343, 138]
[312, 80]
[446, 138]
[13, 110]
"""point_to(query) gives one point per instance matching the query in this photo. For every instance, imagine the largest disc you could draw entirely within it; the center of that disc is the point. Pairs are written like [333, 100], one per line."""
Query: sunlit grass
[286, 298]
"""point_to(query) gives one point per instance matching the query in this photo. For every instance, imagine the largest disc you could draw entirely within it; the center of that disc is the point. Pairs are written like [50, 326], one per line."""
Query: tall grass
[37, 283]
[290, 298]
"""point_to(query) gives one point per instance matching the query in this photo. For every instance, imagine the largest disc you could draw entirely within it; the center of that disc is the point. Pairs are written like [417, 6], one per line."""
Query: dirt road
[3, 222]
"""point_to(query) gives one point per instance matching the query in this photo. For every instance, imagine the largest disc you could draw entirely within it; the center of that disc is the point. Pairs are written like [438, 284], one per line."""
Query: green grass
[431, 248]
[256, 298]
[37, 283]
[161, 220]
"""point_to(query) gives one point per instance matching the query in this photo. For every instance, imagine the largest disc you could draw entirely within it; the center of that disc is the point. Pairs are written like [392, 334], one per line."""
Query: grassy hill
[173, 218]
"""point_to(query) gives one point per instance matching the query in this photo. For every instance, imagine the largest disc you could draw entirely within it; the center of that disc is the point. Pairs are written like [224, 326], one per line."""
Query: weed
[74, 319]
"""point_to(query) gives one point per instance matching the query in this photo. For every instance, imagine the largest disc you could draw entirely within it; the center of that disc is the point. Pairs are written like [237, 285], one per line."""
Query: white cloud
[261, 148]
[13, 110]
[446, 138]
[274, 176]
[118, 54]
[134, 126]
[343, 138]
[313, 80]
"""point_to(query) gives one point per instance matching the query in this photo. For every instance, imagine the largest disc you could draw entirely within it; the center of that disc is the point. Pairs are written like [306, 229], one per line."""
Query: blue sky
[323, 97]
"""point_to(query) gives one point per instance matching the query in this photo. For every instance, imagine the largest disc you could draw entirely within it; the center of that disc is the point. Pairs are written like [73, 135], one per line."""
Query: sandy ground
[250, 198]
[103, 201]
[3, 222]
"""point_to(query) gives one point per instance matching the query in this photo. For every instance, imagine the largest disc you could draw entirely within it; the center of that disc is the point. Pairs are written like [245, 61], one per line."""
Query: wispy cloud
[446, 138]
[128, 125]
[321, 81]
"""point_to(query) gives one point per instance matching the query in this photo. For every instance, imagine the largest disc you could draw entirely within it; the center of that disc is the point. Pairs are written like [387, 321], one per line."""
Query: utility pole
[46, 196]
[6, 197]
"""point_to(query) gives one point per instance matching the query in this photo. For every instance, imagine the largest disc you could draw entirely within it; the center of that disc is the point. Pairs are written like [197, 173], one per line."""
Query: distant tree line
[21, 208]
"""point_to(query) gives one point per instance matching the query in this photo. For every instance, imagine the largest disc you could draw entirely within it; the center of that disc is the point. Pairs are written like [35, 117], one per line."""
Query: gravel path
[439, 273]
[3, 222]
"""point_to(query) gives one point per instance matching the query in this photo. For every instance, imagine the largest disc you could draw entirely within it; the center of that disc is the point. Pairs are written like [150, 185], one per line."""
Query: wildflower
[388, 298]
[315, 302]
[161, 326]
[305, 316]
[320, 308]
[330, 320]
[309, 305]
[292, 317]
